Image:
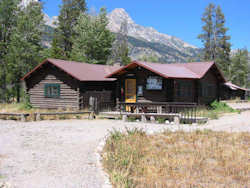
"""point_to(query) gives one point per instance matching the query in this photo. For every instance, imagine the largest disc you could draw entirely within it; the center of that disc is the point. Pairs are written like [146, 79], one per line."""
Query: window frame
[158, 80]
[49, 94]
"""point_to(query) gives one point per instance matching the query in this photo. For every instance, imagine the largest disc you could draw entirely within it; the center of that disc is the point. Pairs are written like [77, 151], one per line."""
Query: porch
[172, 112]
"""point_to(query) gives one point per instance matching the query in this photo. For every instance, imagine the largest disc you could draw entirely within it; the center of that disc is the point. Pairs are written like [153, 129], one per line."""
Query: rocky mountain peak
[25, 3]
[119, 15]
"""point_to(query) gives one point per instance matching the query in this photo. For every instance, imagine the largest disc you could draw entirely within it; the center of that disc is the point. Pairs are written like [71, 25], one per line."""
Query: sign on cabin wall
[154, 83]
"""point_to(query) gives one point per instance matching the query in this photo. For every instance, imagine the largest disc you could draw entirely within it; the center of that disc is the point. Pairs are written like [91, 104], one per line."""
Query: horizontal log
[56, 106]
[61, 94]
[51, 103]
[63, 113]
[61, 89]
[61, 97]
[14, 114]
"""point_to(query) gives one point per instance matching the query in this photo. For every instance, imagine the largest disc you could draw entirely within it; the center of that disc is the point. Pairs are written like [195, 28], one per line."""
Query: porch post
[117, 94]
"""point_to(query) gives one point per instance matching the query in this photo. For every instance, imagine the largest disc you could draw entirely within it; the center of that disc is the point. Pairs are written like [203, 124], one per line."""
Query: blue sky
[180, 18]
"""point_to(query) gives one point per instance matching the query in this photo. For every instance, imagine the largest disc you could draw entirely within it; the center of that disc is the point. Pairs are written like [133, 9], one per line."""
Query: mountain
[146, 41]
[25, 3]
[48, 21]
[143, 41]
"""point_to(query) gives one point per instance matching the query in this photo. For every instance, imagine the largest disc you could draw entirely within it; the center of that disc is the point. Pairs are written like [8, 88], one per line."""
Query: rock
[143, 119]
[177, 120]
[5, 185]
[124, 118]
[152, 119]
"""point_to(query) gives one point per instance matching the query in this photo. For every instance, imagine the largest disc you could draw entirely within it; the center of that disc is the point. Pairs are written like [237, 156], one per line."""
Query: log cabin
[66, 84]
[198, 82]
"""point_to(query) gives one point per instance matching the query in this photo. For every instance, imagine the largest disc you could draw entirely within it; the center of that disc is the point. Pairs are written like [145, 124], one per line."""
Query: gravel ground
[61, 154]
[243, 105]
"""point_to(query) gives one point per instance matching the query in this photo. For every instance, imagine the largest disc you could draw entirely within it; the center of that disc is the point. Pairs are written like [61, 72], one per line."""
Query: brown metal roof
[194, 70]
[235, 87]
[80, 71]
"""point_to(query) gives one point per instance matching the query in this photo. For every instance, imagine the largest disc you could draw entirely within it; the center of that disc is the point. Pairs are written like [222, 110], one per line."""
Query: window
[140, 91]
[52, 90]
[154, 83]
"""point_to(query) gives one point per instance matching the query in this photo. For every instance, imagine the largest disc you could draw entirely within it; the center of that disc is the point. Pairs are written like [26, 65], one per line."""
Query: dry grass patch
[178, 159]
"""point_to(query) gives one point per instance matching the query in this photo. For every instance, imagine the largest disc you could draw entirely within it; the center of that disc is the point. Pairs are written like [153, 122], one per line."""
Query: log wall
[211, 79]
[69, 92]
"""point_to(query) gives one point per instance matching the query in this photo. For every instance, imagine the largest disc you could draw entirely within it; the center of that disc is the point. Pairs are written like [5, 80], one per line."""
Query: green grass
[160, 120]
[215, 110]
[131, 119]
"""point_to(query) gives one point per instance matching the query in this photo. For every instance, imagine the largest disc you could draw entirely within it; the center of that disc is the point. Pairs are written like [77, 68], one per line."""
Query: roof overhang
[134, 64]
[219, 71]
[42, 64]
[235, 87]
[50, 61]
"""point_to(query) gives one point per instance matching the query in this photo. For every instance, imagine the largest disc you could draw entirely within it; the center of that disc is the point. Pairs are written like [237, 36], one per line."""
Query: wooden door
[130, 90]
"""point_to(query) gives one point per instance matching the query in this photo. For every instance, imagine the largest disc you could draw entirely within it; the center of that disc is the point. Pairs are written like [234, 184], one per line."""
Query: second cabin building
[153, 82]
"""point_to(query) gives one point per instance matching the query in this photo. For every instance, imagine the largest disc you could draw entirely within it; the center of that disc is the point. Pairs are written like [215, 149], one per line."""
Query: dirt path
[232, 122]
[61, 154]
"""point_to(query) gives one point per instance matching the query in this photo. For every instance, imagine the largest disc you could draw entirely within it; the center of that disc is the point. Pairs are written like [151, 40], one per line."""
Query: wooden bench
[38, 115]
[23, 116]
[143, 116]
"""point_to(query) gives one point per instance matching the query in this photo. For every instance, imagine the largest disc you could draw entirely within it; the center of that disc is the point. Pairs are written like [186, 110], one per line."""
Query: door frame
[134, 100]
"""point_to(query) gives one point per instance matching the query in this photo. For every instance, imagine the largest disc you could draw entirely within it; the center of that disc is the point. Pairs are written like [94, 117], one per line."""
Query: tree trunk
[4, 84]
[18, 92]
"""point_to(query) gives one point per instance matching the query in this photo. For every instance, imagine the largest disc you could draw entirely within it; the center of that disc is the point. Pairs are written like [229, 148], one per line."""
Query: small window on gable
[52, 90]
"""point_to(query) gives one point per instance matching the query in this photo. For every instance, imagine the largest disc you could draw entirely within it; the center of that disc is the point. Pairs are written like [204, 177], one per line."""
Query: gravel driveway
[61, 154]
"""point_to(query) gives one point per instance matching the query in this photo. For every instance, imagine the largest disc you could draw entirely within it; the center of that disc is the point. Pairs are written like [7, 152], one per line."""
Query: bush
[160, 120]
[131, 119]
[27, 105]
[221, 106]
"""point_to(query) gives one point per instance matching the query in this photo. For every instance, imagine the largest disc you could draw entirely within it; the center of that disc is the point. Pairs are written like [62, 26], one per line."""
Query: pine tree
[215, 39]
[239, 69]
[62, 41]
[222, 46]
[25, 45]
[120, 49]
[93, 42]
[207, 37]
[8, 21]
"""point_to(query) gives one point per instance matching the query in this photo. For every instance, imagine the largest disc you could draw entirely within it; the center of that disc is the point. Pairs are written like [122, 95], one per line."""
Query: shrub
[221, 106]
[160, 120]
[25, 105]
[131, 119]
